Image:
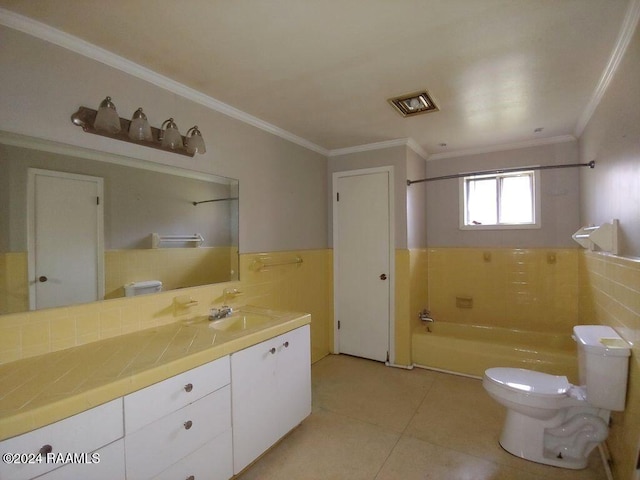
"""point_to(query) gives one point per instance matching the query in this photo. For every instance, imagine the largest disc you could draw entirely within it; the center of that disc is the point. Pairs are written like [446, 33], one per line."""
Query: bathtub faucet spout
[425, 316]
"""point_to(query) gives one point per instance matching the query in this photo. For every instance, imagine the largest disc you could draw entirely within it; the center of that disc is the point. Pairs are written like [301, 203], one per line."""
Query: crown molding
[49, 34]
[629, 24]
[398, 142]
[503, 147]
[421, 152]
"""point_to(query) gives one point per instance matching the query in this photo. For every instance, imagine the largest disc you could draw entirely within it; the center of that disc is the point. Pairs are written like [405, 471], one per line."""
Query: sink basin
[240, 322]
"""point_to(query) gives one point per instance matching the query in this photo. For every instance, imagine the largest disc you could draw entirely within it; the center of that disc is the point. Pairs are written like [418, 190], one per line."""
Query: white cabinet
[109, 467]
[271, 393]
[207, 423]
[157, 400]
[181, 426]
[210, 462]
[83, 433]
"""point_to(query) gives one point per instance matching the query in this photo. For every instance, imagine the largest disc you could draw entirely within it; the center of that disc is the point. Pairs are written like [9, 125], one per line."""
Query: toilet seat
[529, 382]
[539, 393]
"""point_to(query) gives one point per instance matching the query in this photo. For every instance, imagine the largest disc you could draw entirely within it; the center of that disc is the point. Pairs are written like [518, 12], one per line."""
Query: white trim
[47, 33]
[449, 372]
[503, 147]
[398, 142]
[392, 249]
[413, 145]
[629, 25]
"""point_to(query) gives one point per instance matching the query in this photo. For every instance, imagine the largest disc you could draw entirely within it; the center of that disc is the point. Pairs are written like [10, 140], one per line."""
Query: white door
[66, 243]
[362, 263]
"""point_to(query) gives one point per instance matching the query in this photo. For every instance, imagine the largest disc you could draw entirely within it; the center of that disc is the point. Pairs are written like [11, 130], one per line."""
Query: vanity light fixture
[170, 135]
[106, 122]
[194, 141]
[140, 128]
[107, 118]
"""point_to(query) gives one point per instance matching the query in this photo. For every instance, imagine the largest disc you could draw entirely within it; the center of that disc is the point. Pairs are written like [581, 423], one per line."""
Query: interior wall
[559, 202]
[282, 185]
[612, 139]
[416, 202]
[610, 285]
[393, 156]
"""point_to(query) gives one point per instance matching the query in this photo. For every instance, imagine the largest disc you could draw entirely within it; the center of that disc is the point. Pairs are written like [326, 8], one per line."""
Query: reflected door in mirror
[65, 250]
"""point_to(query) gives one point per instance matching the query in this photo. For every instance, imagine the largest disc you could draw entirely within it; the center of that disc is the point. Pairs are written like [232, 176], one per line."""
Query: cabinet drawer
[82, 433]
[110, 466]
[213, 461]
[156, 401]
[162, 443]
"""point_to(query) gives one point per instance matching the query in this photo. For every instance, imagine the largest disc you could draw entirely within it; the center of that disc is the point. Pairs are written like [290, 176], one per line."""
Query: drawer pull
[272, 350]
[46, 449]
[188, 424]
[286, 344]
[188, 387]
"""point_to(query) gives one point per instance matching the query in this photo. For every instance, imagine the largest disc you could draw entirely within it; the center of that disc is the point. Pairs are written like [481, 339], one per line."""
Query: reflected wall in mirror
[82, 259]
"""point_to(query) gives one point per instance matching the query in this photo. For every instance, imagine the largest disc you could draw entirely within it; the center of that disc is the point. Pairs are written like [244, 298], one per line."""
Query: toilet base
[523, 437]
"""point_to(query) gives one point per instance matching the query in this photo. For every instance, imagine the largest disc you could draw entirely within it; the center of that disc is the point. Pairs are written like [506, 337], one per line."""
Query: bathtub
[471, 349]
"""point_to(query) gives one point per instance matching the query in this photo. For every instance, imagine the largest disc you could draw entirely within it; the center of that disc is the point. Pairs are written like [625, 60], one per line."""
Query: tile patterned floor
[373, 422]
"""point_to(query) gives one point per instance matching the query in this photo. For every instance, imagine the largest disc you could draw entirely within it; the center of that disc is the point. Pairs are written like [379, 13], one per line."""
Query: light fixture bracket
[415, 103]
[85, 118]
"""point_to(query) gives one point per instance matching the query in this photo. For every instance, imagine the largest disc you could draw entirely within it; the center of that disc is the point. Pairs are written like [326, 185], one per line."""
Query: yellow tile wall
[418, 283]
[305, 287]
[610, 295]
[527, 289]
[175, 267]
[13, 282]
[402, 300]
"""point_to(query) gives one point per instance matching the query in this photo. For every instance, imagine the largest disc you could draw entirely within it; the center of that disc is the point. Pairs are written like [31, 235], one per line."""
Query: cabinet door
[293, 379]
[109, 467]
[81, 433]
[154, 402]
[254, 399]
[271, 393]
[213, 461]
[164, 442]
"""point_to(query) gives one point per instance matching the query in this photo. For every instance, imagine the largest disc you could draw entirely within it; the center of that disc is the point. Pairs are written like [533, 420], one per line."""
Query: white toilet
[553, 422]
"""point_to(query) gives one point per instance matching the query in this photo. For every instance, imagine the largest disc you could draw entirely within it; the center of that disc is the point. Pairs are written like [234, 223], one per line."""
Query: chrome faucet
[218, 313]
[425, 316]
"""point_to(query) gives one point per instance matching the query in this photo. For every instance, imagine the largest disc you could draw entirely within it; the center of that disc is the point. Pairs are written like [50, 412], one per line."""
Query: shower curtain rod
[215, 200]
[591, 164]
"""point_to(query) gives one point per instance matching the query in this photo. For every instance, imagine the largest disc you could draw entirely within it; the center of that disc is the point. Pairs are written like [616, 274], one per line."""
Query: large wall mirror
[78, 226]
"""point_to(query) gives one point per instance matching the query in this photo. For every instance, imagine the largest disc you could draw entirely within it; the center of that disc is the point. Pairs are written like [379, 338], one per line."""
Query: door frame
[392, 277]
[31, 228]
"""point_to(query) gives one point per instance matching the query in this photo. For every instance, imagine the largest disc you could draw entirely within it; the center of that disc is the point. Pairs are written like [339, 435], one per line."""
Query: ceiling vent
[414, 104]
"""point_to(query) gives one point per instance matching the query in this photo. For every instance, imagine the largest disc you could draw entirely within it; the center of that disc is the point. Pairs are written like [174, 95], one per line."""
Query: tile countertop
[37, 391]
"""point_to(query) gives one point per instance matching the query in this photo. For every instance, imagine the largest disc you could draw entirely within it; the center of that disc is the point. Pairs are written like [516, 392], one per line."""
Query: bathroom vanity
[187, 400]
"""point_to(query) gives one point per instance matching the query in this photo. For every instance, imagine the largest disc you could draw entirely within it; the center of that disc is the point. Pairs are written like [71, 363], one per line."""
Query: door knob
[42, 278]
[383, 276]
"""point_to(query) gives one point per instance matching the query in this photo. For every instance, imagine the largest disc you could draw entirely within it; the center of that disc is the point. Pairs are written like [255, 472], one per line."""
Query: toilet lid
[528, 381]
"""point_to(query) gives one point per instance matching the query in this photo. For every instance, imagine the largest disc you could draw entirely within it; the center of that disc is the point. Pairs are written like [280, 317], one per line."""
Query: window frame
[536, 203]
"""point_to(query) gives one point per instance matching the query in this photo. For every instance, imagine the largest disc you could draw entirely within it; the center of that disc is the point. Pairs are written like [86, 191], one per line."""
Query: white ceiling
[324, 69]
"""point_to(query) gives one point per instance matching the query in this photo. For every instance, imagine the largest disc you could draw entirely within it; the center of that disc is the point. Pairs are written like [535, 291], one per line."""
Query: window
[500, 201]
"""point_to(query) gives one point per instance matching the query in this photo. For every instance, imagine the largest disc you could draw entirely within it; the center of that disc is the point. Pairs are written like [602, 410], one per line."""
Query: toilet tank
[603, 362]
[141, 288]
